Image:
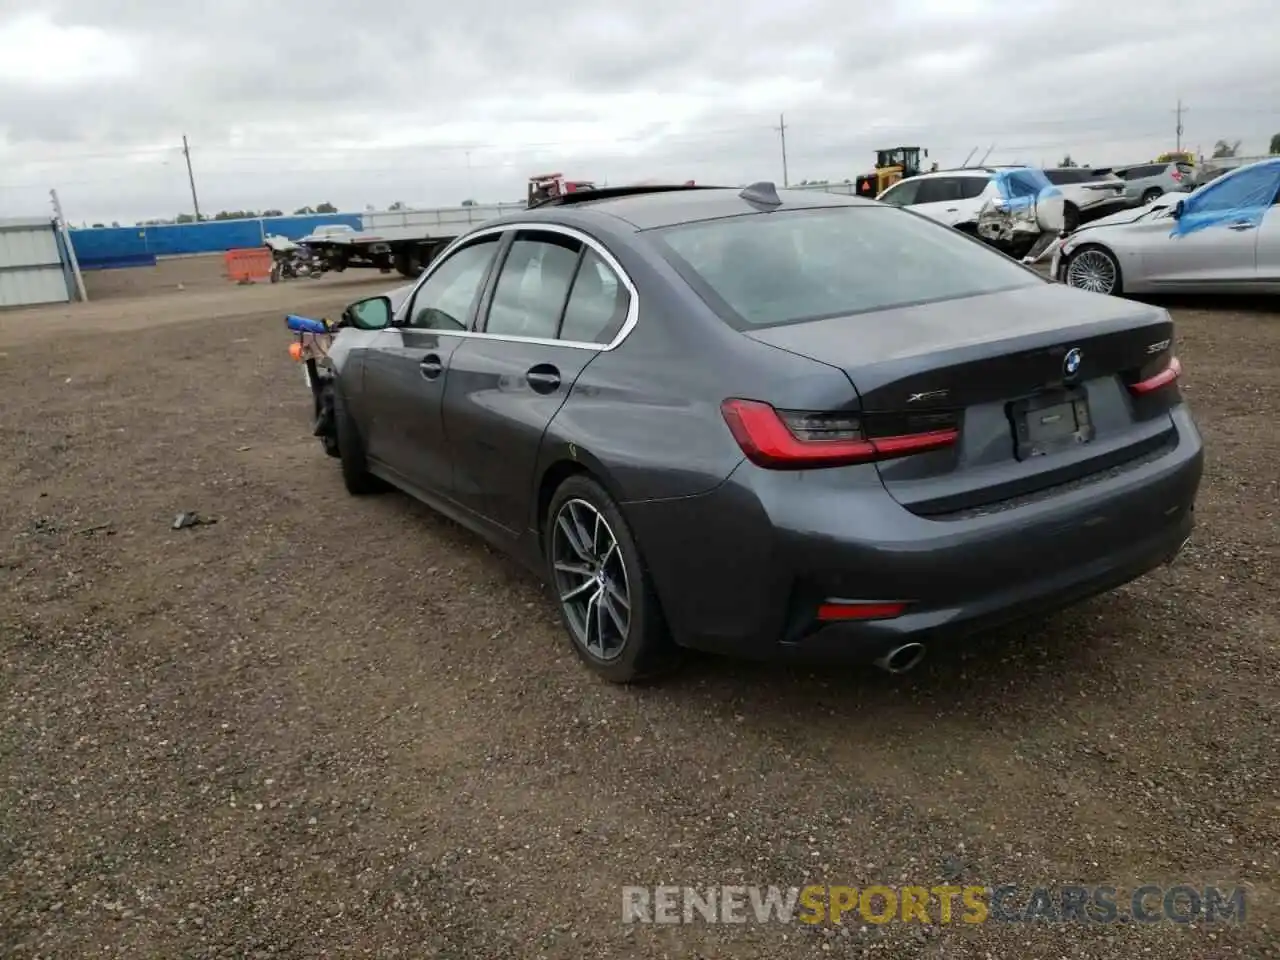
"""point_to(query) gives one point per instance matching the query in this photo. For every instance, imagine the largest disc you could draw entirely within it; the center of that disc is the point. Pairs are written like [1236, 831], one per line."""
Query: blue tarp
[1240, 197]
[102, 248]
[1022, 186]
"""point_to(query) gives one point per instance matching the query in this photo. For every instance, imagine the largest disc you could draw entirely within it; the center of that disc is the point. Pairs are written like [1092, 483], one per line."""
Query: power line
[218, 152]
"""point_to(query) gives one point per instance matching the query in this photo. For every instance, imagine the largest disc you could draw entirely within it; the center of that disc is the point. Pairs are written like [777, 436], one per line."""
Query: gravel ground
[322, 727]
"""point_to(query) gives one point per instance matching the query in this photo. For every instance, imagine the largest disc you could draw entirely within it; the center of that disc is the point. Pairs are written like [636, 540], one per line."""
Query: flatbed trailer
[407, 240]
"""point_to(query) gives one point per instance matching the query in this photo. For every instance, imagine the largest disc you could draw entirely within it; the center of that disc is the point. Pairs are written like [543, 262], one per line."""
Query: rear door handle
[543, 378]
[1242, 225]
[952, 209]
[431, 367]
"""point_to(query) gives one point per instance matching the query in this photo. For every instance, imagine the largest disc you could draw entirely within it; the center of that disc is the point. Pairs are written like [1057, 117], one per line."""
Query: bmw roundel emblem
[1071, 362]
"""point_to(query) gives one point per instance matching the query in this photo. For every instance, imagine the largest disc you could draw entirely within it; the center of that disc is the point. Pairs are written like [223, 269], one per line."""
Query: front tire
[1095, 269]
[604, 591]
[355, 469]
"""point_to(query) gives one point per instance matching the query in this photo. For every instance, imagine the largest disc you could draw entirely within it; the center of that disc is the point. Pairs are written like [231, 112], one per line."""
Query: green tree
[1275, 143]
[1225, 148]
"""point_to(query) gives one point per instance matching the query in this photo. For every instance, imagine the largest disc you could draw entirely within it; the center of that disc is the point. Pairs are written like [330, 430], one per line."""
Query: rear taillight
[1177, 175]
[794, 440]
[1171, 372]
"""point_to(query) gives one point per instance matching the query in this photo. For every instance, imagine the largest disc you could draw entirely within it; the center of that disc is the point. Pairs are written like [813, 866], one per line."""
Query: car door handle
[431, 367]
[1242, 225]
[952, 209]
[544, 378]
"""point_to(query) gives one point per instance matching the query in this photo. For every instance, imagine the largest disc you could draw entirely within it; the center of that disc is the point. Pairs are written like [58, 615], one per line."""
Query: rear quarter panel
[647, 413]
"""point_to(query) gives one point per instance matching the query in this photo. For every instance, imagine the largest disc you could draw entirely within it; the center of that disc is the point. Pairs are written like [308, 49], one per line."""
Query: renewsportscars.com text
[1009, 903]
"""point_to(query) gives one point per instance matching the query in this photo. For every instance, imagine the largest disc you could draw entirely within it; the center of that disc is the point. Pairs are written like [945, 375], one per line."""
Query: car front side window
[1246, 190]
[901, 194]
[446, 298]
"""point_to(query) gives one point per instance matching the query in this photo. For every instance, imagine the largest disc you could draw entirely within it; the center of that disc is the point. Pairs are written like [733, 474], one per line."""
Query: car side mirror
[373, 313]
[1177, 210]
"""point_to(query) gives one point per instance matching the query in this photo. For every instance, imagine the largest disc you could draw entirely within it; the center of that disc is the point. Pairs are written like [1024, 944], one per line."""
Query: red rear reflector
[1161, 379]
[845, 610]
[835, 439]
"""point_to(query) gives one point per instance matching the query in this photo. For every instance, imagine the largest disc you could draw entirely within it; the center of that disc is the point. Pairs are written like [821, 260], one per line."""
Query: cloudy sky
[289, 103]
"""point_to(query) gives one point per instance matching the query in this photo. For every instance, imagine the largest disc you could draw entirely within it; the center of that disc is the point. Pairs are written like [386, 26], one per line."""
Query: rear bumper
[1017, 601]
[741, 570]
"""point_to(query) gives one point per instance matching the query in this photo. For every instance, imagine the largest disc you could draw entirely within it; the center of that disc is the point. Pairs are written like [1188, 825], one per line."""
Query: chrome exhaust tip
[903, 658]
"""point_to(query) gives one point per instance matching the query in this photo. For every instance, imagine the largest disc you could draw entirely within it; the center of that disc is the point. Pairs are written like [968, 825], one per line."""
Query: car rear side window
[940, 190]
[762, 270]
[533, 285]
[598, 303]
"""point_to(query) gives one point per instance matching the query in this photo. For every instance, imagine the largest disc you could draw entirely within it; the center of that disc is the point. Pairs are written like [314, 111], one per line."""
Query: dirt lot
[322, 727]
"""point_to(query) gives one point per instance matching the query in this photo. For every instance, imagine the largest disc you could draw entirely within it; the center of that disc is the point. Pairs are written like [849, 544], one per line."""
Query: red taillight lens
[859, 610]
[792, 440]
[1162, 379]
[1177, 175]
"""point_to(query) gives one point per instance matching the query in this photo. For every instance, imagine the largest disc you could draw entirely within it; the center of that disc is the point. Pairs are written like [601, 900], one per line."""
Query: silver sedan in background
[1223, 237]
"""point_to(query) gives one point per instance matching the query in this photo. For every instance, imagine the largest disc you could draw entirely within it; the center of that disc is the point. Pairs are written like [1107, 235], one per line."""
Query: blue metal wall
[104, 248]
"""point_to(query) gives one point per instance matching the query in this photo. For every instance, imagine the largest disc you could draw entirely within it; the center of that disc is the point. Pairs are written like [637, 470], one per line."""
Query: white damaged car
[1014, 209]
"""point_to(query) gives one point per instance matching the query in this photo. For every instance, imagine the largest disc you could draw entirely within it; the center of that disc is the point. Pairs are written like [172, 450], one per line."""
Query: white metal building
[34, 266]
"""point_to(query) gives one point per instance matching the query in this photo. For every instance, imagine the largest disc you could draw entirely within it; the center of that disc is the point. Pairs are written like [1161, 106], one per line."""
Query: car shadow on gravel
[1257, 305]
[1054, 657]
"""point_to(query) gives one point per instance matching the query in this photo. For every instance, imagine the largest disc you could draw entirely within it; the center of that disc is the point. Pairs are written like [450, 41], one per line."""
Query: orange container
[249, 264]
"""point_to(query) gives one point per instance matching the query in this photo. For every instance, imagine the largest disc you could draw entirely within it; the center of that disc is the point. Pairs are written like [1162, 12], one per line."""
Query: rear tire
[1155, 193]
[602, 587]
[355, 469]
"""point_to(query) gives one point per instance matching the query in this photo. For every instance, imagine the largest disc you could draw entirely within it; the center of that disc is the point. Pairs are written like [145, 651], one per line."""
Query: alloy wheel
[1092, 270]
[591, 579]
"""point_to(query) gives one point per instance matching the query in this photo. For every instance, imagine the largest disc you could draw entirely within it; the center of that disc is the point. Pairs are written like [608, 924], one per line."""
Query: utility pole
[186, 152]
[782, 131]
[1180, 111]
[65, 235]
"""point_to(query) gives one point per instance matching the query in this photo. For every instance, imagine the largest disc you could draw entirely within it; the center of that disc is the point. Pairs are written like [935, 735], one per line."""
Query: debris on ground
[192, 519]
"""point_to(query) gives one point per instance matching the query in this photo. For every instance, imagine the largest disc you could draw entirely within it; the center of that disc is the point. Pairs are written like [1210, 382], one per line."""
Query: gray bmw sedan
[769, 423]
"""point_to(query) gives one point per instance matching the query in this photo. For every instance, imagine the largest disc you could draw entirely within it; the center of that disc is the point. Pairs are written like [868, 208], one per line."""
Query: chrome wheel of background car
[1093, 270]
[591, 579]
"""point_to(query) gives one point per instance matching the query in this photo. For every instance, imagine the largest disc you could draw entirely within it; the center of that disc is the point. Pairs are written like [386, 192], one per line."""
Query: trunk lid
[997, 367]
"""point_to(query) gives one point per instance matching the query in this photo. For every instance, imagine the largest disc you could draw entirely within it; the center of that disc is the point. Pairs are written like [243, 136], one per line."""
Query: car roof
[651, 210]
[957, 172]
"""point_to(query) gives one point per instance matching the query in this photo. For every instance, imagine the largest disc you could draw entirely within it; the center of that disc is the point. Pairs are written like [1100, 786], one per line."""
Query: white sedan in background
[1221, 238]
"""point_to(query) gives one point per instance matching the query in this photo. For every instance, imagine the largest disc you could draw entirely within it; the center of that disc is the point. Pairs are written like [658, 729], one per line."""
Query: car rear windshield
[762, 270]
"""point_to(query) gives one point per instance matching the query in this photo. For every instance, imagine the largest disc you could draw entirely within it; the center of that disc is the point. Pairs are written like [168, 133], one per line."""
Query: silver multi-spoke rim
[591, 579]
[1092, 270]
